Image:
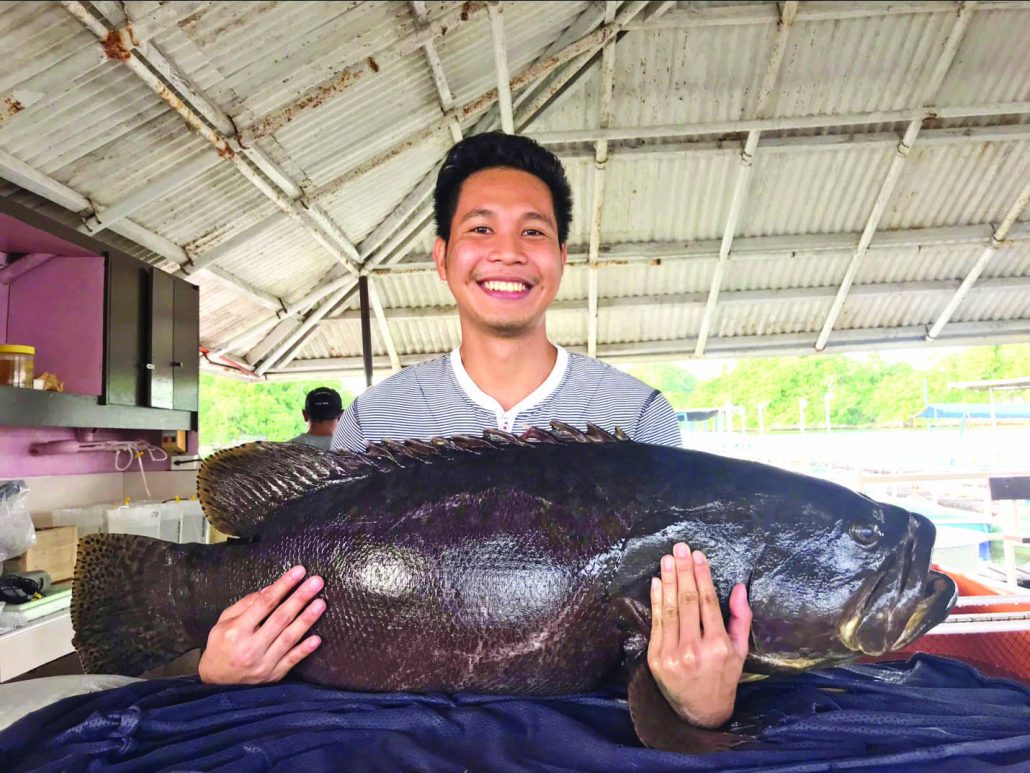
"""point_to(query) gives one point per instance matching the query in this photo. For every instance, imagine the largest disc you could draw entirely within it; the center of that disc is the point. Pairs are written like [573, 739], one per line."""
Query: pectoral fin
[659, 727]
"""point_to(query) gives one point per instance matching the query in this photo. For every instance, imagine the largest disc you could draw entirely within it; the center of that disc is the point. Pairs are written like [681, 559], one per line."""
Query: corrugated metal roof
[90, 130]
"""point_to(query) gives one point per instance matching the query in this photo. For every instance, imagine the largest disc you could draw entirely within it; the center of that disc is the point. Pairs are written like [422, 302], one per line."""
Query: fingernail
[313, 583]
[317, 606]
[680, 550]
[313, 643]
[699, 557]
[667, 563]
[297, 572]
[656, 585]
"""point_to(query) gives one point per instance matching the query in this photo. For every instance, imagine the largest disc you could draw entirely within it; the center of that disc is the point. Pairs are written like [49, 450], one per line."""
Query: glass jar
[17, 364]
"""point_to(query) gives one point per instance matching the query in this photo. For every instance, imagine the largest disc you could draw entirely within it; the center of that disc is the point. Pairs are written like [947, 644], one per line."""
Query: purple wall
[3, 313]
[16, 462]
[58, 307]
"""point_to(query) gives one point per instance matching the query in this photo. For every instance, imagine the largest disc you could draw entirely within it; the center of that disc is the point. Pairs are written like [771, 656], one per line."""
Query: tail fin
[123, 611]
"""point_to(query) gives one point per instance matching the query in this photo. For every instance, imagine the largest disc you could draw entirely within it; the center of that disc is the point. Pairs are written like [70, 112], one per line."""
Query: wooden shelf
[34, 408]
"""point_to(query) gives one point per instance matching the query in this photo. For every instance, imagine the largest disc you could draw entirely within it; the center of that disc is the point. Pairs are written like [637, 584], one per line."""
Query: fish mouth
[902, 601]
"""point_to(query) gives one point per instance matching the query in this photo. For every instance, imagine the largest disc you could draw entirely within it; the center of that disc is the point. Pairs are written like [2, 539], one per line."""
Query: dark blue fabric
[928, 713]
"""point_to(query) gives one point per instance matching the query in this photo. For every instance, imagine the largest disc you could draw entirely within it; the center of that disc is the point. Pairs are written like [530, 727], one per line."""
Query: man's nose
[508, 249]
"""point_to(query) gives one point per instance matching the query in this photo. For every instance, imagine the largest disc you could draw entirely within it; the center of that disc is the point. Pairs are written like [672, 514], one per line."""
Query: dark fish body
[499, 565]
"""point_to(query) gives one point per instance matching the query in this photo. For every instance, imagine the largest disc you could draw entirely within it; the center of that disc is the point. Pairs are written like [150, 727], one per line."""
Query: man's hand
[241, 649]
[695, 660]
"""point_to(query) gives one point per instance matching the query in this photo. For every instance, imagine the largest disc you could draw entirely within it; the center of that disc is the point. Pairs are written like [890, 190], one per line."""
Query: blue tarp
[1006, 411]
[928, 713]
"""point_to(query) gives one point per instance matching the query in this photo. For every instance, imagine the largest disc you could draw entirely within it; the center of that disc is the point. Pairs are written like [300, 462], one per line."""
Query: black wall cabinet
[151, 339]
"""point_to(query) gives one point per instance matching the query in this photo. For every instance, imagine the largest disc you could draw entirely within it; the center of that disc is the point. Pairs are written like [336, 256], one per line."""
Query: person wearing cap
[322, 410]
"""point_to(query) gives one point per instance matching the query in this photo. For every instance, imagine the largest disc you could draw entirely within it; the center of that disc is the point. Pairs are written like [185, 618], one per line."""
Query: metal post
[366, 329]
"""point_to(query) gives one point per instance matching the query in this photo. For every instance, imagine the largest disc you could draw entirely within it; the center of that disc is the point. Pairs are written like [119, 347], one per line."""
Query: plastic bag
[16, 531]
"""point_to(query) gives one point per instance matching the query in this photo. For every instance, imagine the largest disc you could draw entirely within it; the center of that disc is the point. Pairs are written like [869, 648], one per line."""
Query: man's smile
[505, 288]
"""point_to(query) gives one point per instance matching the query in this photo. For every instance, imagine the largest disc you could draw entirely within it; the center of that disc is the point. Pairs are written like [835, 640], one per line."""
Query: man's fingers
[286, 613]
[237, 609]
[294, 656]
[295, 631]
[689, 621]
[711, 615]
[670, 606]
[739, 627]
[656, 611]
[270, 596]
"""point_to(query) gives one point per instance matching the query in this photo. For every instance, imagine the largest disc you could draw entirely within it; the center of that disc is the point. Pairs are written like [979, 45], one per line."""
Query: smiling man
[503, 208]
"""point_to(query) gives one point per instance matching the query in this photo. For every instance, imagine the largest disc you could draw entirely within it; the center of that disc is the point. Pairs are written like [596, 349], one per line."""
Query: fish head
[853, 579]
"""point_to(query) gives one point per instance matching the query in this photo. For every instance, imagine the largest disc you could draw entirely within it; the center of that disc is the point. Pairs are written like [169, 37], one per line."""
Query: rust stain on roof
[12, 106]
[114, 43]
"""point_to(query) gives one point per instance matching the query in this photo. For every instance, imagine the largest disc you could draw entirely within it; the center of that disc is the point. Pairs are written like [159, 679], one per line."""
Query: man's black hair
[497, 149]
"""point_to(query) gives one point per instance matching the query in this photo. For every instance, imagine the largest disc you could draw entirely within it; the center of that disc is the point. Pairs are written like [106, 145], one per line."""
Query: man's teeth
[505, 287]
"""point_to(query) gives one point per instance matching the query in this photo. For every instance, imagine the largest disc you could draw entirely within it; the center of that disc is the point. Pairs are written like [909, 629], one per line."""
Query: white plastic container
[141, 519]
[194, 524]
[171, 521]
[91, 519]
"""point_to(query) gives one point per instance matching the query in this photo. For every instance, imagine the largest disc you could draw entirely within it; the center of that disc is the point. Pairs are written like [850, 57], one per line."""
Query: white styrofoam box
[194, 524]
[171, 521]
[141, 519]
[91, 519]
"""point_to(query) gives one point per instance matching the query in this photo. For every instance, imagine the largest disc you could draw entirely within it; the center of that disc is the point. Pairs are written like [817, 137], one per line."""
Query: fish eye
[865, 534]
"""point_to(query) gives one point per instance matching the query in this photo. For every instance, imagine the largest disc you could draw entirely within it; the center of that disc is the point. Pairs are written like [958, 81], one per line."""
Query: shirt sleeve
[348, 435]
[658, 424]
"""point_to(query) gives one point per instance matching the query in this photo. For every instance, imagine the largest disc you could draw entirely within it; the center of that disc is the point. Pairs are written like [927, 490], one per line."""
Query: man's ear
[440, 257]
[305, 415]
[564, 255]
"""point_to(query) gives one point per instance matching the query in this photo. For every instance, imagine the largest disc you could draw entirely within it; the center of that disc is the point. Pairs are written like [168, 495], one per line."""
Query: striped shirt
[438, 398]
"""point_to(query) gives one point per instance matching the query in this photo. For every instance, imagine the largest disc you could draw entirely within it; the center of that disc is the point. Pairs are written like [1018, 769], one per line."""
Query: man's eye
[533, 232]
[479, 229]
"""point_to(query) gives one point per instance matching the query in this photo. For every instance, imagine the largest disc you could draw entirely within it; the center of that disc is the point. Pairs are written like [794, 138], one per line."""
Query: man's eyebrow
[538, 216]
[476, 213]
[483, 212]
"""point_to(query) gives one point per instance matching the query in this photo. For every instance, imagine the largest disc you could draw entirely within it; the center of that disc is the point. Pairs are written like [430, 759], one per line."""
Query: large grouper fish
[519, 565]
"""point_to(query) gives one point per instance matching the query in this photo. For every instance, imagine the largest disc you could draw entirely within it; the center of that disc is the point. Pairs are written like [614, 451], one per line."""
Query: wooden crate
[53, 553]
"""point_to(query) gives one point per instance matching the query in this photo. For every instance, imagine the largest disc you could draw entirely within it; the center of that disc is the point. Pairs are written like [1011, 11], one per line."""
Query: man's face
[503, 262]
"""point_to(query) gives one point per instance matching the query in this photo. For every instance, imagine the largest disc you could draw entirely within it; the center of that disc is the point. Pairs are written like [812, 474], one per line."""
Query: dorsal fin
[240, 486]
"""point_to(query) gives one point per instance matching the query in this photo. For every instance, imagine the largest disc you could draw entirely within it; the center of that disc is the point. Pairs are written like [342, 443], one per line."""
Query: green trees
[233, 411]
[864, 392]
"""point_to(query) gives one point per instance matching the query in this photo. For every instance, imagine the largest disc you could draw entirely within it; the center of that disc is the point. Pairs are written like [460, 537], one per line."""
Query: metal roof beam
[879, 205]
[600, 165]
[805, 143]
[793, 123]
[443, 91]
[287, 349]
[997, 240]
[789, 295]
[202, 117]
[740, 188]
[104, 217]
[383, 323]
[766, 247]
[929, 92]
[496, 12]
[589, 43]
[34, 181]
[453, 17]
[765, 13]
[781, 344]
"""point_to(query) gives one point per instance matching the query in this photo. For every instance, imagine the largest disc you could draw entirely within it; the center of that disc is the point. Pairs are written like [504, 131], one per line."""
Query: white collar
[537, 396]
